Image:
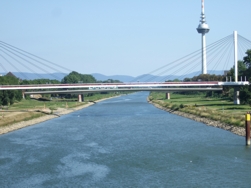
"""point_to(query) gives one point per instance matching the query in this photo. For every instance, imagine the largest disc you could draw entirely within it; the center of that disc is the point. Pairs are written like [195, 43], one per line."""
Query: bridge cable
[10, 46]
[10, 63]
[209, 47]
[30, 62]
[21, 64]
[3, 67]
[198, 52]
[217, 58]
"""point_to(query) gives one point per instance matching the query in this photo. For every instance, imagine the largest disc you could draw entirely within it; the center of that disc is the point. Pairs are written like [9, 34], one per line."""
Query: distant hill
[32, 76]
[122, 78]
[153, 78]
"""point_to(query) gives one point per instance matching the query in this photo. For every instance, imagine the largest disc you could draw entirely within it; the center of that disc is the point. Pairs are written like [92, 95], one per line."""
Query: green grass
[57, 103]
[211, 108]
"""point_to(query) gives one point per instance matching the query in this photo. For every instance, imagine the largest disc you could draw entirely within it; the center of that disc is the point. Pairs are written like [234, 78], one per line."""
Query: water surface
[123, 142]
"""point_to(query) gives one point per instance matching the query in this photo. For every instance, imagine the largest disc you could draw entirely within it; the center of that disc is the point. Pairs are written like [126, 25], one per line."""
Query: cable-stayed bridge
[132, 85]
[220, 56]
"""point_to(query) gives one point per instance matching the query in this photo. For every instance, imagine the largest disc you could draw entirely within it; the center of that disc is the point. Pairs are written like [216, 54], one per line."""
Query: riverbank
[56, 113]
[236, 130]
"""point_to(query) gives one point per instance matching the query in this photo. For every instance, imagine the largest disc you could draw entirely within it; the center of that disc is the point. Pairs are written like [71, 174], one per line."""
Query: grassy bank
[212, 108]
[30, 108]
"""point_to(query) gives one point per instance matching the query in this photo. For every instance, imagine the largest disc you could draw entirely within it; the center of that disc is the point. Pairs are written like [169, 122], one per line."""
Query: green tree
[247, 59]
[245, 91]
[9, 96]
[242, 70]
[110, 81]
[40, 81]
[75, 77]
[207, 77]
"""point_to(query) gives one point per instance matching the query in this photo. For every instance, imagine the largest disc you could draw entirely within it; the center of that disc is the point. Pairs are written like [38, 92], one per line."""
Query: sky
[117, 37]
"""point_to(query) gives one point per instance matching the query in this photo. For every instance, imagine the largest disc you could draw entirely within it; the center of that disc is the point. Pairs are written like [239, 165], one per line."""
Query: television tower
[203, 28]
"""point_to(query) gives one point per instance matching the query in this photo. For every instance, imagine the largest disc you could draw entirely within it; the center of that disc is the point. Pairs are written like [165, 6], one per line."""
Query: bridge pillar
[23, 95]
[80, 98]
[236, 95]
[168, 96]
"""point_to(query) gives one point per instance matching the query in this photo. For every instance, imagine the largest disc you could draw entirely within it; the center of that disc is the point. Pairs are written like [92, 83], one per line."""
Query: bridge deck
[122, 85]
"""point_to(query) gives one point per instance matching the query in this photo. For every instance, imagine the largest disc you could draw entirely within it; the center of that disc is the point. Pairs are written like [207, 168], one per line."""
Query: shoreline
[57, 113]
[63, 111]
[236, 130]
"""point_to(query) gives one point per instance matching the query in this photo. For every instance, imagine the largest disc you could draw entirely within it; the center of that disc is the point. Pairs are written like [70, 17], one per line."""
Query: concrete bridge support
[237, 95]
[23, 96]
[80, 98]
[168, 96]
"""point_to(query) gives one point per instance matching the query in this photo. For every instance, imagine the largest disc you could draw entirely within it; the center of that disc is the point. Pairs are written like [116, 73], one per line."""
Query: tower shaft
[204, 54]
[203, 28]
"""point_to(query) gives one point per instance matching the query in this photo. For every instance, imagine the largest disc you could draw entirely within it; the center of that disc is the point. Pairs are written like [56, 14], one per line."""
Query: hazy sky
[126, 37]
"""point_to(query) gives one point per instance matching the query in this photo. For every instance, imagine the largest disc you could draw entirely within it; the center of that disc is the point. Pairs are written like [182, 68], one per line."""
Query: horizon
[102, 77]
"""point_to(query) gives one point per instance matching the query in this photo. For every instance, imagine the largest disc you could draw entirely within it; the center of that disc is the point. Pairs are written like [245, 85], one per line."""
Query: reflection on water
[123, 142]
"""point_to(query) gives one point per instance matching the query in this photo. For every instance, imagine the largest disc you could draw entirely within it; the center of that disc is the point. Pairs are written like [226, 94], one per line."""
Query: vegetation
[11, 100]
[39, 81]
[31, 108]
[219, 109]
[10, 96]
[214, 105]
[75, 77]
[206, 77]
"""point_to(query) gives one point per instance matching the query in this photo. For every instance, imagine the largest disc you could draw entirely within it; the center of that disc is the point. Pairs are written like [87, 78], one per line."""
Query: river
[123, 142]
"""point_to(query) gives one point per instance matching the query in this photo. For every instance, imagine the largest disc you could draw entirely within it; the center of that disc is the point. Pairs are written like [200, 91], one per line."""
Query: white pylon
[235, 57]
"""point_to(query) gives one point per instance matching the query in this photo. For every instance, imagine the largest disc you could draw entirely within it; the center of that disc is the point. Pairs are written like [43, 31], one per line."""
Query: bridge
[85, 88]
[119, 86]
[146, 84]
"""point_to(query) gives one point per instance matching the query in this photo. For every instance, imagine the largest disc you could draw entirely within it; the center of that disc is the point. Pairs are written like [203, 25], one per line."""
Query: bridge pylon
[236, 89]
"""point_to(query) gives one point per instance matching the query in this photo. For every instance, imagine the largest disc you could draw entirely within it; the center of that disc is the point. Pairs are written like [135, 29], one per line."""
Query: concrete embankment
[236, 130]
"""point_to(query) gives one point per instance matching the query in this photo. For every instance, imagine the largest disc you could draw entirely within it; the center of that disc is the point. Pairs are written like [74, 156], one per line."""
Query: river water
[123, 142]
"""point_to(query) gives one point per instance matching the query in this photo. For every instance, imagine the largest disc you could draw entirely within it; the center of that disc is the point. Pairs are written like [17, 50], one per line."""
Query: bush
[12, 100]
[175, 107]
[182, 106]
[167, 105]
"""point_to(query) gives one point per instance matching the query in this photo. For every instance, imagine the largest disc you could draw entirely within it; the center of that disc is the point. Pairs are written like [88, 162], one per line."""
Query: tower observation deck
[203, 28]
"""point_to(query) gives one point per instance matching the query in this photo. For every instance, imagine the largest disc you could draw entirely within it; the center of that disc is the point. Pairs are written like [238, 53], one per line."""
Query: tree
[242, 70]
[245, 91]
[247, 59]
[9, 96]
[187, 79]
[207, 77]
[75, 77]
[39, 81]
[110, 81]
